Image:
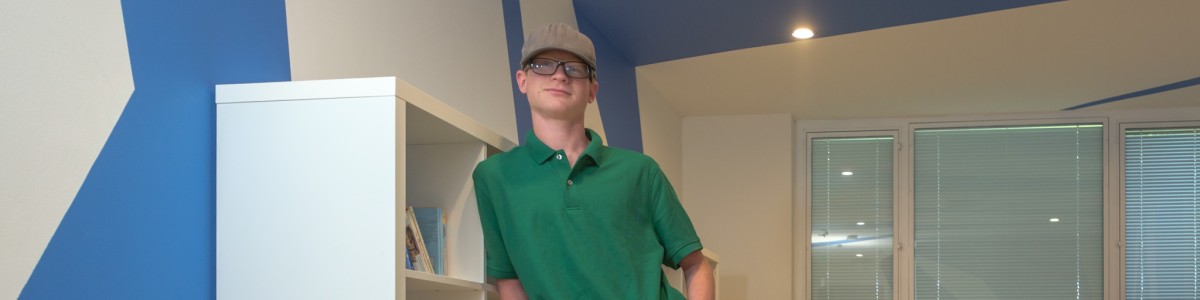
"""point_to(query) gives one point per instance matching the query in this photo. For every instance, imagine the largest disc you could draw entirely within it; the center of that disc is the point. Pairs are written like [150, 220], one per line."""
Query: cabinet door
[306, 199]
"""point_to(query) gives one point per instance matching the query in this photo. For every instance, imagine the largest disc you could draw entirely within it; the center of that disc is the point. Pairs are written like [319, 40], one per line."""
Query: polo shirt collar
[540, 153]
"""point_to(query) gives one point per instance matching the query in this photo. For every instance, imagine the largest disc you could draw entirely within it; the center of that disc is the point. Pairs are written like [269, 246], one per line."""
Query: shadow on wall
[734, 287]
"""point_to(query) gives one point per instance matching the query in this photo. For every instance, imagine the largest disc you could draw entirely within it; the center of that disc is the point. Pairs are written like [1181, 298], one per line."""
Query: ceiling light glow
[847, 173]
[803, 33]
[1053, 219]
[862, 223]
[858, 254]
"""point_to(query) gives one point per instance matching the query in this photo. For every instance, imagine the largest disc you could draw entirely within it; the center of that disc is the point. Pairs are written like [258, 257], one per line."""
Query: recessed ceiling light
[862, 223]
[1053, 219]
[858, 254]
[847, 173]
[803, 33]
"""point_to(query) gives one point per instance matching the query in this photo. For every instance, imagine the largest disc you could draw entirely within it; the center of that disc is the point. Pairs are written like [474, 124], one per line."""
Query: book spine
[422, 261]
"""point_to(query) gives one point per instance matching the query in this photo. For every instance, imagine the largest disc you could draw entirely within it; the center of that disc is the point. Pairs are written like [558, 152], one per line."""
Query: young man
[565, 217]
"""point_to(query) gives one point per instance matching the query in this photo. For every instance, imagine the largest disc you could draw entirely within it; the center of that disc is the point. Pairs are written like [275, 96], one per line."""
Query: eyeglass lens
[546, 66]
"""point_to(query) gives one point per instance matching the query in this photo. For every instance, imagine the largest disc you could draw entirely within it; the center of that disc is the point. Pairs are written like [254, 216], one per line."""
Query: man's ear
[521, 80]
[595, 89]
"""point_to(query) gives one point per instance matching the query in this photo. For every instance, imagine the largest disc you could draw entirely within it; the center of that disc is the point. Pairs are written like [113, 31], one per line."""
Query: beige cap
[561, 37]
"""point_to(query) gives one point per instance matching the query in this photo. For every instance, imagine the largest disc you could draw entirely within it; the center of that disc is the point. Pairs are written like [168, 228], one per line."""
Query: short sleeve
[498, 262]
[671, 221]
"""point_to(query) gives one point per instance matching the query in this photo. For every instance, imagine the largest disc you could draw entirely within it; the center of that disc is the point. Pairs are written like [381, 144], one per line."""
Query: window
[1162, 213]
[851, 214]
[1008, 212]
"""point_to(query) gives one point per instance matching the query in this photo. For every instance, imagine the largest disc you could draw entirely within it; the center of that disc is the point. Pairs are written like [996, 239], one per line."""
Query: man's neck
[568, 136]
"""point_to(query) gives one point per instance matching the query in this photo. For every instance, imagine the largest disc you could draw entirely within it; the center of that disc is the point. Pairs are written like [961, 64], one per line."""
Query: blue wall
[618, 98]
[143, 225]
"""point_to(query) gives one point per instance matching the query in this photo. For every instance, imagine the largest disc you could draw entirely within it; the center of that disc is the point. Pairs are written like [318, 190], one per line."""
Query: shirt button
[569, 182]
[558, 156]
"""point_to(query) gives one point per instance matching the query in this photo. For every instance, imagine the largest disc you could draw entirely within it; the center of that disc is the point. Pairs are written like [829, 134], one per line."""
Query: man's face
[557, 96]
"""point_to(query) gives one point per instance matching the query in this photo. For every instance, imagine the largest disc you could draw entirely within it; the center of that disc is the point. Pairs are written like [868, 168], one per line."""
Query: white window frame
[806, 209]
[910, 197]
[1114, 122]
[1118, 266]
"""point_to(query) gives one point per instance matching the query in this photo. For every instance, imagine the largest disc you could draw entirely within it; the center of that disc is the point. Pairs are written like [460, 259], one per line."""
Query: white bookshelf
[313, 178]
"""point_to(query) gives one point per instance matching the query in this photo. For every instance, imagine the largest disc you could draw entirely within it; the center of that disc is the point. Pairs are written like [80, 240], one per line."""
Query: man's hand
[698, 277]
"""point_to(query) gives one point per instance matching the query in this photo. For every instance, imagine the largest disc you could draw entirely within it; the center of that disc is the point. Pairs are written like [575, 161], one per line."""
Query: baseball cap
[561, 37]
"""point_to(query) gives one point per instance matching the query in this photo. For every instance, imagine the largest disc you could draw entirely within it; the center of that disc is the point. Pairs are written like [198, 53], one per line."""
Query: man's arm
[510, 289]
[698, 276]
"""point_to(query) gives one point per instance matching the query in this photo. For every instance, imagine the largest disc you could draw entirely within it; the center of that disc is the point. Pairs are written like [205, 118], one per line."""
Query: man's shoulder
[626, 156]
[498, 161]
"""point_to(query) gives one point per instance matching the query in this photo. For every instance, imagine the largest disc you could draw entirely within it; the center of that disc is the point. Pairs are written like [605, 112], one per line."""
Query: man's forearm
[510, 289]
[698, 277]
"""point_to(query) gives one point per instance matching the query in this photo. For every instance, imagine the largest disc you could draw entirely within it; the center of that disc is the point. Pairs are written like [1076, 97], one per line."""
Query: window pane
[1008, 212]
[852, 218]
[1162, 213]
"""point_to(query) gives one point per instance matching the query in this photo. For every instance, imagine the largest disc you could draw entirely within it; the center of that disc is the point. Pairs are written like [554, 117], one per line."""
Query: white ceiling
[1039, 58]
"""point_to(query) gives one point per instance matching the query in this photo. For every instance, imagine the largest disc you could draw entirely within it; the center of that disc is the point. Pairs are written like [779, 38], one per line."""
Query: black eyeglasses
[573, 69]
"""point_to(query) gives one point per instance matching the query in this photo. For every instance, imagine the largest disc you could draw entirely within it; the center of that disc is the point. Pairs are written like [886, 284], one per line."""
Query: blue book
[432, 222]
[408, 263]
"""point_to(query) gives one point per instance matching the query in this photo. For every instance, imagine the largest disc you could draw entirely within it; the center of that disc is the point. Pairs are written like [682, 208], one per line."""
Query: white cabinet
[313, 178]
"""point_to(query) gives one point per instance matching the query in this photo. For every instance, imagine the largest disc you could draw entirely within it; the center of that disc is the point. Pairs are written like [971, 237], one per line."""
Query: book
[408, 263]
[412, 250]
[432, 221]
[421, 260]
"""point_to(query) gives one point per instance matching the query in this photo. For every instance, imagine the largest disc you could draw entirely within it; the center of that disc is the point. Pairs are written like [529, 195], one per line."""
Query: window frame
[804, 248]
[910, 174]
[1117, 265]
[904, 129]
[1115, 121]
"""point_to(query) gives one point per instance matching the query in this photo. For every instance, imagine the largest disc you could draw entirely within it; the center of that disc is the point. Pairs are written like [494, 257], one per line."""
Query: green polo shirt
[598, 230]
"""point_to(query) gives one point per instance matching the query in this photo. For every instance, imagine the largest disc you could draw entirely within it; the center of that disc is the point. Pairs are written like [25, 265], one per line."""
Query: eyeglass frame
[591, 73]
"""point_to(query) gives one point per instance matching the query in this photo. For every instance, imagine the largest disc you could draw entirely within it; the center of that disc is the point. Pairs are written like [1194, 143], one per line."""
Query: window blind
[851, 194]
[1008, 212]
[1162, 213]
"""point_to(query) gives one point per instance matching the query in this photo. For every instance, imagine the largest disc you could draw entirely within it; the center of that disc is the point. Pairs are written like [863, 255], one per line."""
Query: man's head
[558, 72]
[558, 36]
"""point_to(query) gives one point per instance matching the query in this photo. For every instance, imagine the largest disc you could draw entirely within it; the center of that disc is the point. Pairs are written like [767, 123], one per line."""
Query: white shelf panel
[418, 281]
[444, 113]
[302, 90]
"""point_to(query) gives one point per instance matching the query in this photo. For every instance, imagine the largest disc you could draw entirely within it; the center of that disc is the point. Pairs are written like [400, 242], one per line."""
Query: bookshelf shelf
[425, 282]
[313, 182]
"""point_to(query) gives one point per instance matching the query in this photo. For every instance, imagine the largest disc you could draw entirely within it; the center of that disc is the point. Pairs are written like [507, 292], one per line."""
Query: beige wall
[738, 186]
[64, 80]
[662, 133]
[464, 62]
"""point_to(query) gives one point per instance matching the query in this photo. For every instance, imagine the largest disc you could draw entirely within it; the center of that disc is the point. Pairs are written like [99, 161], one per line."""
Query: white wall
[662, 133]
[64, 80]
[738, 186]
[454, 50]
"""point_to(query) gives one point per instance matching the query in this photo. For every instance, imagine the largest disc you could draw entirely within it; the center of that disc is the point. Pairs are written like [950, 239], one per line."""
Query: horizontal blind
[1162, 213]
[1008, 212]
[851, 192]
